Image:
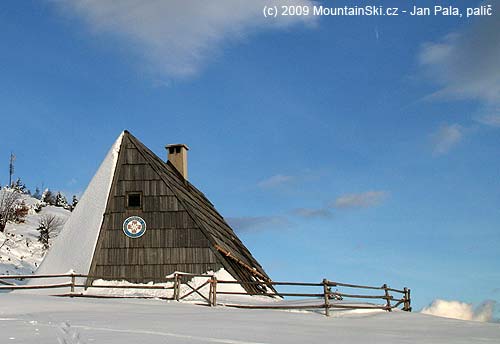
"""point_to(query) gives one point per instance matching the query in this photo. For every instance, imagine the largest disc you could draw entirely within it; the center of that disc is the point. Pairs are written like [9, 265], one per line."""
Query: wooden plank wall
[172, 241]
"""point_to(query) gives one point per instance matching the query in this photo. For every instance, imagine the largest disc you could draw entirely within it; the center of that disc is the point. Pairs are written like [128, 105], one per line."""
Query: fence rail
[390, 301]
[330, 299]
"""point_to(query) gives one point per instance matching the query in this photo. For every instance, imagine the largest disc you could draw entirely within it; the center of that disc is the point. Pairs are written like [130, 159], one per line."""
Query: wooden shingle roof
[233, 254]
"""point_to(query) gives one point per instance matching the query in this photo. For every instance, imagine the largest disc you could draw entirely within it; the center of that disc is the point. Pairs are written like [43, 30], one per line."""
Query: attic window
[134, 200]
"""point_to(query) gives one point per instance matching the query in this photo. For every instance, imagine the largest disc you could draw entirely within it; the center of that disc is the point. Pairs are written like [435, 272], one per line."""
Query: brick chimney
[177, 155]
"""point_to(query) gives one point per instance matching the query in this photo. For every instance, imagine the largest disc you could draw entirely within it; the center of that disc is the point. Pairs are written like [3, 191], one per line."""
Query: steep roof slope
[74, 247]
[235, 257]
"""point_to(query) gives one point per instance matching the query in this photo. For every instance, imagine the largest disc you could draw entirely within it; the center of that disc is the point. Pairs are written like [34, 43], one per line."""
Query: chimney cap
[177, 145]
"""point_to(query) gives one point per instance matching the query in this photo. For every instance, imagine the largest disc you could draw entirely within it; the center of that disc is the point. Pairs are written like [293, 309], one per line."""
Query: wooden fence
[391, 298]
[330, 299]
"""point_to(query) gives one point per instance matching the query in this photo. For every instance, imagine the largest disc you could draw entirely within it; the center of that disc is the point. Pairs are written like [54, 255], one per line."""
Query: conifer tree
[60, 200]
[74, 202]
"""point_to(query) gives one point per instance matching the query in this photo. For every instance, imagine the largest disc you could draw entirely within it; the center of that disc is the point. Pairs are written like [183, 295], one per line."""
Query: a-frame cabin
[152, 223]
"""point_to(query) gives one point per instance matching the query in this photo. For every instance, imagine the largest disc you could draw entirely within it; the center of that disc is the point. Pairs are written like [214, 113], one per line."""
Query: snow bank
[461, 310]
[20, 251]
[167, 292]
[34, 319]
[74, 248]
[117, 291]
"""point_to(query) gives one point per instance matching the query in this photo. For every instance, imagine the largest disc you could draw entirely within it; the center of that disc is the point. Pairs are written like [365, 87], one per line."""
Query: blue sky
[361, 149]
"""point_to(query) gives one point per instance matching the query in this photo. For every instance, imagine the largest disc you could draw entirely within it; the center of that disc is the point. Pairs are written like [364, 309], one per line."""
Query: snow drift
[34, 319]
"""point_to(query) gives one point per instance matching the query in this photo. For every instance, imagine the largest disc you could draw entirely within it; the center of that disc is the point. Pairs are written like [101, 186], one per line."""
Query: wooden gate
[185, 279]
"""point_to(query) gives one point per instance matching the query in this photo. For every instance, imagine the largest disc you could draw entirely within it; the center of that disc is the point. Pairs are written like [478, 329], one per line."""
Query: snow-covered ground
[30, 318]
[44, 319]
[20, 251]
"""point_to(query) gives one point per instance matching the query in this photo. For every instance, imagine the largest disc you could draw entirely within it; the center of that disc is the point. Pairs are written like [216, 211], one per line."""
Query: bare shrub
[9, 202]
[21, 212]
[48, 226]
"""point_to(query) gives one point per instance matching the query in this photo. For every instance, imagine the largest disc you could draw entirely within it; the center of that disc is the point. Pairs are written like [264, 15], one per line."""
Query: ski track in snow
[169, 334]
[66, 329]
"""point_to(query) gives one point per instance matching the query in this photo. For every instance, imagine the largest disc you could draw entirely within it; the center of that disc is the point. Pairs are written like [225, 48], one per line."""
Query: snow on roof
[74, 248]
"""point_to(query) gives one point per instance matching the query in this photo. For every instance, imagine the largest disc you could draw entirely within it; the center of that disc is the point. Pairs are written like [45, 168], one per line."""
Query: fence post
[326, 292]
[407, 303]
[387, 298]
[72, 282]
[210, 291]
[213, 289]
[176, 287]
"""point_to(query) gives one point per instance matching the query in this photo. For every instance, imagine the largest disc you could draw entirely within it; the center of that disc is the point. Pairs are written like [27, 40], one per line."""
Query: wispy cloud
[465, 65]
[298, 177]
[491, 120]
[354, 200]
[176, 37]
[248, 223]
[360, 200]
[312, 213]
[447, 137]
[276, 180]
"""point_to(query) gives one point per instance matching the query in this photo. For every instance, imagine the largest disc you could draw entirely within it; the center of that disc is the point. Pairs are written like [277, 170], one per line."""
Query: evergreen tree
[48, 197]
[61, 201]
[19, 186]
[74, 202]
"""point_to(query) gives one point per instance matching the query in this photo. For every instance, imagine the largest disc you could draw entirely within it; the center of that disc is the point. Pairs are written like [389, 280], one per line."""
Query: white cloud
[446, 138]
[176, 37]
[360, 200]
[461, 310]
[465, 64]
[274, 181]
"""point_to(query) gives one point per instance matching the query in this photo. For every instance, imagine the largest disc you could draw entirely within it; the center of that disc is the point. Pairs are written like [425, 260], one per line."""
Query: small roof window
[134, 200]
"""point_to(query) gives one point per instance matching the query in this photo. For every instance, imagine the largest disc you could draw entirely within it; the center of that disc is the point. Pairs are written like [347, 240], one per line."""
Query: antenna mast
[11, 168]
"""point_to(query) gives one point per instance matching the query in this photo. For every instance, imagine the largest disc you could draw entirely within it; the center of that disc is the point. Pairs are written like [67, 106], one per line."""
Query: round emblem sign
[134, 227]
